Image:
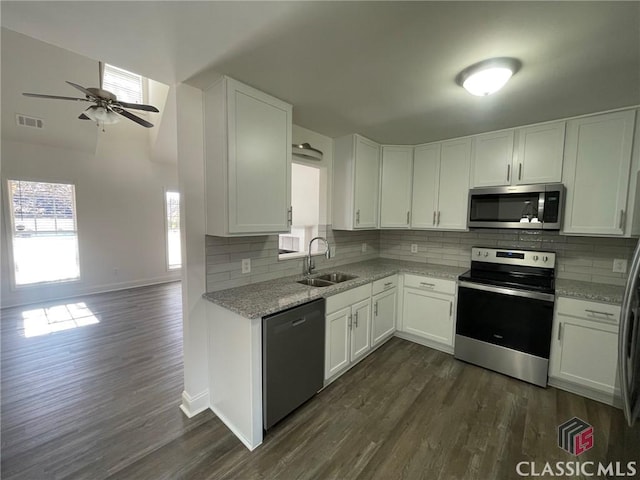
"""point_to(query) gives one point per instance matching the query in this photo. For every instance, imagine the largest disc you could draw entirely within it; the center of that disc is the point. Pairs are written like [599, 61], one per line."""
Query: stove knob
[535, 258]
[486, 254]
[479, 253]
[545, 259]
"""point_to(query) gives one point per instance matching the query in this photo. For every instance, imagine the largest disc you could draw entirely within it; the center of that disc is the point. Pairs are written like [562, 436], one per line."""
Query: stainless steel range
[505, 312]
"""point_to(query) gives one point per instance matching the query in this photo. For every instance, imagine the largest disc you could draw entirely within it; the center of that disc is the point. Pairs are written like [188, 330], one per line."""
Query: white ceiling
[383, 69]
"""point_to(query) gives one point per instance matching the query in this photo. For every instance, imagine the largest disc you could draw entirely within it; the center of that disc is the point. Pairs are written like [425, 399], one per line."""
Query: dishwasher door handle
[295, 323]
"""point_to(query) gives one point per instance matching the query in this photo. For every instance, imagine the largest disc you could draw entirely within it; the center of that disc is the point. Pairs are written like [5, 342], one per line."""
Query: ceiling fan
[106, 106]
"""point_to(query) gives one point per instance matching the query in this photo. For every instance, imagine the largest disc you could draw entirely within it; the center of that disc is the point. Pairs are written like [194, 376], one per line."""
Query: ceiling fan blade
[83, 117]
[100, 73]
[139, 106]
[87, 92]
[135, 118]
[56, 97]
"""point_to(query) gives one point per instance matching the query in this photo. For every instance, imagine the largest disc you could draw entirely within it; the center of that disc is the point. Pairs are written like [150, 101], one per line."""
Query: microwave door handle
[541, 202]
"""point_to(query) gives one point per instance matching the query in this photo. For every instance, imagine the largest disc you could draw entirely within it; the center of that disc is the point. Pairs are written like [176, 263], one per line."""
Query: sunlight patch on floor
[42, 321]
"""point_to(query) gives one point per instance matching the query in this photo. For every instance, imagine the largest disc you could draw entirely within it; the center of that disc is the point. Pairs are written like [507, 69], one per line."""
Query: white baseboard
[191, 406]
[603, 397]
[235, 431]
[423, 341]
[40, 294]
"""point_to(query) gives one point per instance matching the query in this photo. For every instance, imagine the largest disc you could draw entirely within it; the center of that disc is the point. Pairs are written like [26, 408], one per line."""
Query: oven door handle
[547, 297]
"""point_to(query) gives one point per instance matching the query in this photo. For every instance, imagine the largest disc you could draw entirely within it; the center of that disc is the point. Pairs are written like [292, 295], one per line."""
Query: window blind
[39, 207]
[127, 86]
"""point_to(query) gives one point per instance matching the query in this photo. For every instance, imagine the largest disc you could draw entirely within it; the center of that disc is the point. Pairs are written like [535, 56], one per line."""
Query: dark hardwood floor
[101, 401]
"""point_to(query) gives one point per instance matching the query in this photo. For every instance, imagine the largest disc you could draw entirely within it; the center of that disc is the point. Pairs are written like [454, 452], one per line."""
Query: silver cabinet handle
[596, 312]
[388, 284]
[358, 217]
[434, 217]
[375, 309]
[426, 284]
[408, 217]
[290, 216]
[559, 331]
[438, 222]
[356, 320]
[508, 172]
[450, 308]
[520, 171]
[350, 323]
[622, 219]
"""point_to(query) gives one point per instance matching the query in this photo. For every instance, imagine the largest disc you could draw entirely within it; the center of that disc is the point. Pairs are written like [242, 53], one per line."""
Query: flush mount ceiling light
[489, 76]
[305, 150]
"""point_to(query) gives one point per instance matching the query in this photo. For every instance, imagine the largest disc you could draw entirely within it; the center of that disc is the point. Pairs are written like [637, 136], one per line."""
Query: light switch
[414, 248]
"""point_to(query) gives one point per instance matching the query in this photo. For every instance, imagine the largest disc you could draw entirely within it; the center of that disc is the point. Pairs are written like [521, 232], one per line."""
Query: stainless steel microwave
[523, 207]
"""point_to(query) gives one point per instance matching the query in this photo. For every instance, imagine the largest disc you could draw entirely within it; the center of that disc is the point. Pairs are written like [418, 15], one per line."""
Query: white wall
[120, 210]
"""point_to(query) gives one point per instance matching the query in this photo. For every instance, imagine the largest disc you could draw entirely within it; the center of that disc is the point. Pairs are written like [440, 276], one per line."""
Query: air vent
[31, 122]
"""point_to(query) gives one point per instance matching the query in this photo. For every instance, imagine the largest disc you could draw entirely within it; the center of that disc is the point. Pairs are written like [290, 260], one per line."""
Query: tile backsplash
[224, 256]
[588, 259]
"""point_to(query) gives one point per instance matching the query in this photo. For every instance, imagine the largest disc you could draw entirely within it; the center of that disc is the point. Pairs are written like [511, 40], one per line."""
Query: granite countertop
[264, 298]
[597, 292]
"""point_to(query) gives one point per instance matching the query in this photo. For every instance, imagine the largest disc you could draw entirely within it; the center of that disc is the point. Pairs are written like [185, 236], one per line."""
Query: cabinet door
[336, 356]
[492, 155]
[367, 171]
[395, 190]
[428, 315]
[426, 172]
[383, 323]
[585, 353]
[596, 173]
[540, 151]
[453, 196]
[259, 188]
[360, 329]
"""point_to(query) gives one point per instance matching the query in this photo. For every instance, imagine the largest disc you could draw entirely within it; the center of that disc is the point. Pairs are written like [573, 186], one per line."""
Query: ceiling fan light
[488, 76]
[102, 115]
[487, 81]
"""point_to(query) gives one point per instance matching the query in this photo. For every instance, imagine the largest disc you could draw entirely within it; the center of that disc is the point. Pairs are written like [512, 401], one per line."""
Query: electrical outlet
[246, 265]
[364, 248]
[620, 265]
[414, 248]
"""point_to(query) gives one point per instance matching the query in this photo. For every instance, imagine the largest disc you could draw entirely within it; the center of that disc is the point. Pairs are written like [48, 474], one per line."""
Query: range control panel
[529, 258]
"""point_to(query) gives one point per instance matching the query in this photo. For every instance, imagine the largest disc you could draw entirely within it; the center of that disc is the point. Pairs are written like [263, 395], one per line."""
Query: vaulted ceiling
[383, 69]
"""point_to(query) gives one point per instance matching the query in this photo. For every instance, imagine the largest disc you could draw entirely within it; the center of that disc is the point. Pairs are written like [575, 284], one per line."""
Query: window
[174, 254]
[127, 86]
[305, 199]
[44, 232]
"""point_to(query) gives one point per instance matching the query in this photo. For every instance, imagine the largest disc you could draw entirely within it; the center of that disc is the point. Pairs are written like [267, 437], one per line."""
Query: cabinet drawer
[430, 284]
[384, 284]
[348, 298]
[595, 311]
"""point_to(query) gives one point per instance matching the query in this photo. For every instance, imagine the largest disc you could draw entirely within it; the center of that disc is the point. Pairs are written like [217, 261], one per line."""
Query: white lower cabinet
[428, 311]
[384, 301]
[347, 329]
[584, 349]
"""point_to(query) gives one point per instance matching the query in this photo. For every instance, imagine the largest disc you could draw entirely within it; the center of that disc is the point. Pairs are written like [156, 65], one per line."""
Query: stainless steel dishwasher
[292, 359]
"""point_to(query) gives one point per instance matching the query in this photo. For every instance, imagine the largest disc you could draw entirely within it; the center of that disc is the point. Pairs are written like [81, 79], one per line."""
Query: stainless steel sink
[327, 279]
[336, 277]
[315, 282]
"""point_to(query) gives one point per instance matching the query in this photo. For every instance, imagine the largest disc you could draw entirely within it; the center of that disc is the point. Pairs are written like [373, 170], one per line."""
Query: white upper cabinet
[441, 185]
[395, 186]
[539, 154]
[596, 173]
[492, 155]
[426, 180]
[519, 157]
[356, 183]
[247, 160]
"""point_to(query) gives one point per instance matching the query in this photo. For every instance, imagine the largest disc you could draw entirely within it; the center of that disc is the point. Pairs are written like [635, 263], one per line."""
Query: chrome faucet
[309, 266]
